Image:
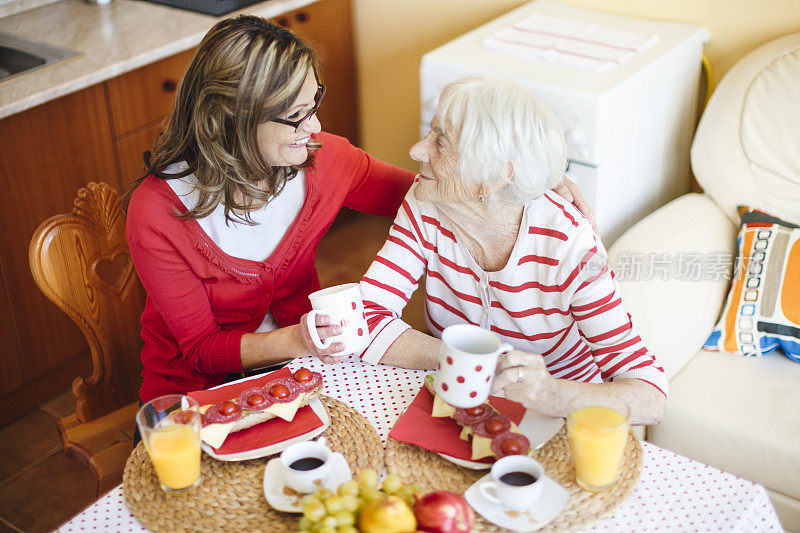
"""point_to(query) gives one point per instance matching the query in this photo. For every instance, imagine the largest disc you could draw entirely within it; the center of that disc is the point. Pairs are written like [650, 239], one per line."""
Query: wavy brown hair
[246, 71]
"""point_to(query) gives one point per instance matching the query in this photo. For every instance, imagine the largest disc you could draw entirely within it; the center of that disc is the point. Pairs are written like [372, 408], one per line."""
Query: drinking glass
[170, 427]
[597, 429]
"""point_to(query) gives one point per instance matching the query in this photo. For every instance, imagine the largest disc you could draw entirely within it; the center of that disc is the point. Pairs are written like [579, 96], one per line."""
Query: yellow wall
[392, 35]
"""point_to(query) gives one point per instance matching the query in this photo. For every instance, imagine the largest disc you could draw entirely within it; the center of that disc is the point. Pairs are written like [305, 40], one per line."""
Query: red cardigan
[200, 301]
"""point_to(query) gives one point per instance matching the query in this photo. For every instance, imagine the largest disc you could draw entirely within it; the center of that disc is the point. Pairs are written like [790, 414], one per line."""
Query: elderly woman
[501, 250]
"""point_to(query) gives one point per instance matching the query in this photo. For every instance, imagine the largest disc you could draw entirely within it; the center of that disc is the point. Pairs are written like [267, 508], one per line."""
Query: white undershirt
[238, 239]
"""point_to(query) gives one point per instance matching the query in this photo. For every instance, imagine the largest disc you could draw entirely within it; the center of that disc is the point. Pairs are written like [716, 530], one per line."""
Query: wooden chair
[81, 262]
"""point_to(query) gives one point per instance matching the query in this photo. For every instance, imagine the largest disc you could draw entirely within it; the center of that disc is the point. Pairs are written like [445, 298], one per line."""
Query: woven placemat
[231, 495]
[432, 472]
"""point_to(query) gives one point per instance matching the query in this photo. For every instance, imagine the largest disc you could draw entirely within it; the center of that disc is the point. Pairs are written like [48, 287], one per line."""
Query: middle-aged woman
[242, 186]
[501, 251]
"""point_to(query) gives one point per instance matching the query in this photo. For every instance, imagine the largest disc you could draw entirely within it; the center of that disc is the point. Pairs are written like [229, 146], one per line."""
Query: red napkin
[270, 432]
[441, 434]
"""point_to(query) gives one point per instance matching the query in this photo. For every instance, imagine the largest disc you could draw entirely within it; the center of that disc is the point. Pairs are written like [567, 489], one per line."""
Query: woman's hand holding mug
[323, 330]
[336, 326]
[523, 377]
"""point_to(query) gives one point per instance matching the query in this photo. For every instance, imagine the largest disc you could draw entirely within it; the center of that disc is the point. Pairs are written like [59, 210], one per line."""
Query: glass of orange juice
[170, 427]
[597, 430]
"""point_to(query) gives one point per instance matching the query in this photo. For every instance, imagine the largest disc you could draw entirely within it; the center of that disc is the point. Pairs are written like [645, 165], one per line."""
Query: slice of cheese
[286, 410]
[215, 434]
[441, 408]
[481, 447]
[204, 408]
[466, 431]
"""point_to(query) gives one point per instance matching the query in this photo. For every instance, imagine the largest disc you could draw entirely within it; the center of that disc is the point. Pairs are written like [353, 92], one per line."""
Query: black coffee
[307, 463]
[518, 479]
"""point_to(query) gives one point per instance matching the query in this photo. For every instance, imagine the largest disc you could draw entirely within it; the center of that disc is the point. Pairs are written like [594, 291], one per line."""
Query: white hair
[497, 120]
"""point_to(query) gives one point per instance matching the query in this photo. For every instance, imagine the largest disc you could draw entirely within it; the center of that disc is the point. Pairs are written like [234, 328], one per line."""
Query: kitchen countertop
[9, 7]
[111, 40]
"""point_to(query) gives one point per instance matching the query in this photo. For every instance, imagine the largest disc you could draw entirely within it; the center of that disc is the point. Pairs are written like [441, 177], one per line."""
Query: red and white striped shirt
[556, 296]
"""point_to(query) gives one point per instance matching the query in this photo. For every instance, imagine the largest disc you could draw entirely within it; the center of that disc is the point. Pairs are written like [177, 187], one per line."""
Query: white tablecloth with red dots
[673, 494]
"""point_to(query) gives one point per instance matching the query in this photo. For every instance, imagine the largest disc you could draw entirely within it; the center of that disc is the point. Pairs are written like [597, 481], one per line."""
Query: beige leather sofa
[738, 414]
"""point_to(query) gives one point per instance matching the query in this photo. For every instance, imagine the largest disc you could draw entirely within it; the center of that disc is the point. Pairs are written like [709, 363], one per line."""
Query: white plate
[543, 511]
[229, 383]
[278, 447]
[537, 427]
[285, 499]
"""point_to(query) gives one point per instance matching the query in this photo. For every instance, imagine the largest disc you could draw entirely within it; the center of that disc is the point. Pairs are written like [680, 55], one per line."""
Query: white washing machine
[628, 121]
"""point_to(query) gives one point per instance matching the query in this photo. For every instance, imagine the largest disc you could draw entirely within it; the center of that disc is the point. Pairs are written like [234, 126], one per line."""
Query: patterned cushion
[762, 311]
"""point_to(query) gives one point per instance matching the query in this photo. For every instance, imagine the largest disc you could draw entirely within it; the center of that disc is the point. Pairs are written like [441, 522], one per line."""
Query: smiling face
[438, 179]
[280, 144]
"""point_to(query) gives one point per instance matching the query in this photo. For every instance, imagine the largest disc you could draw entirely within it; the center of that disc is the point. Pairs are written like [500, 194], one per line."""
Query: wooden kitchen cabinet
[98, 134]
[130, 148]
[138, 102]
[12, 374]
[328, 26]
[146, 94]
[48, 153]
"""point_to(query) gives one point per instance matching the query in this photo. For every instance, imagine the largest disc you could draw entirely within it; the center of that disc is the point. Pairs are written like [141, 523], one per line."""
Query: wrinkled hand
[324, 330]
[568, 190]
[523, 377]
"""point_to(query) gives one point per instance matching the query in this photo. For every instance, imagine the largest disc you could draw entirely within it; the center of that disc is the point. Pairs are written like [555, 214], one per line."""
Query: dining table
[674, 493]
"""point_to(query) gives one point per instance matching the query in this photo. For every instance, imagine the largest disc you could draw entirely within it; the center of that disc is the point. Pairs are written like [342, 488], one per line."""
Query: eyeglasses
[296, 123]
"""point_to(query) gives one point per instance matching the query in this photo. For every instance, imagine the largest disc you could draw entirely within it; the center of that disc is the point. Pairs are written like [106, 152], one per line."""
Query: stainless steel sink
[19, 56]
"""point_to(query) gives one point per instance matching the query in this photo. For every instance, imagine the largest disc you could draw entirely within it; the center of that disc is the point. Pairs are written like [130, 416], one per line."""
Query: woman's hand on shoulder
[324, 330]
[523, 377]
[568, 190]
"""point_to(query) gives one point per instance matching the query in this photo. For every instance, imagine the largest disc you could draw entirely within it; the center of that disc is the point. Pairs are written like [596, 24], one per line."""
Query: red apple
[443, 511]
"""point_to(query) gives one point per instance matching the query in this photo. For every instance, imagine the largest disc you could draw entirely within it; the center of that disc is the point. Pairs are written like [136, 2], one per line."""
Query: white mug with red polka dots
[342, 303]
[465, 368]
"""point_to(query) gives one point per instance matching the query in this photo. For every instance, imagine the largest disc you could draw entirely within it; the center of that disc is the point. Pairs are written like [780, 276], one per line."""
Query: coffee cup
[306, 465]
[342, 303]
[466, 364]
[515, 482]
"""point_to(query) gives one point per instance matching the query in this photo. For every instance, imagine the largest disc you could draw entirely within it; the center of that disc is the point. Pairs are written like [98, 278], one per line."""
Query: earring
[482, 198]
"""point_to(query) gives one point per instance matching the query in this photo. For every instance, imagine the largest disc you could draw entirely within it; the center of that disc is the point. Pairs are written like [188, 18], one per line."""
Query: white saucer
[286, 499]
[545, 509]
[537, 427]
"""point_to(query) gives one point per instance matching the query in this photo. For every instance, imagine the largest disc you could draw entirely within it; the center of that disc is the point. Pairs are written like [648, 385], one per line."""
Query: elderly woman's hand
[568, 190]
[324, 330]
[523, 377]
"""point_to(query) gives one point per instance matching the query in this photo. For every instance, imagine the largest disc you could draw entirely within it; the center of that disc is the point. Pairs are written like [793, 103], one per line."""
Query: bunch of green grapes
[327, 511]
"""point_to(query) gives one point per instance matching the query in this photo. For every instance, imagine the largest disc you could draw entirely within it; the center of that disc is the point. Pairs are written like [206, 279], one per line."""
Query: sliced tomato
[314, 381]
[494, 425]
[302, 375]
[254, 399]
[282, 390]
[473, 415]
[509, 443]
[223, 413]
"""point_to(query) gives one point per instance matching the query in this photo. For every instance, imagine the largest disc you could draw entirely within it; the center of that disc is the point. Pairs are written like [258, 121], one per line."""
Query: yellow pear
[387, 514]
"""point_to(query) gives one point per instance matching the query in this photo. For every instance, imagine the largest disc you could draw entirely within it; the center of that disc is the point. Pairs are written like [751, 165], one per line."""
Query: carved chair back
[81, 262]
